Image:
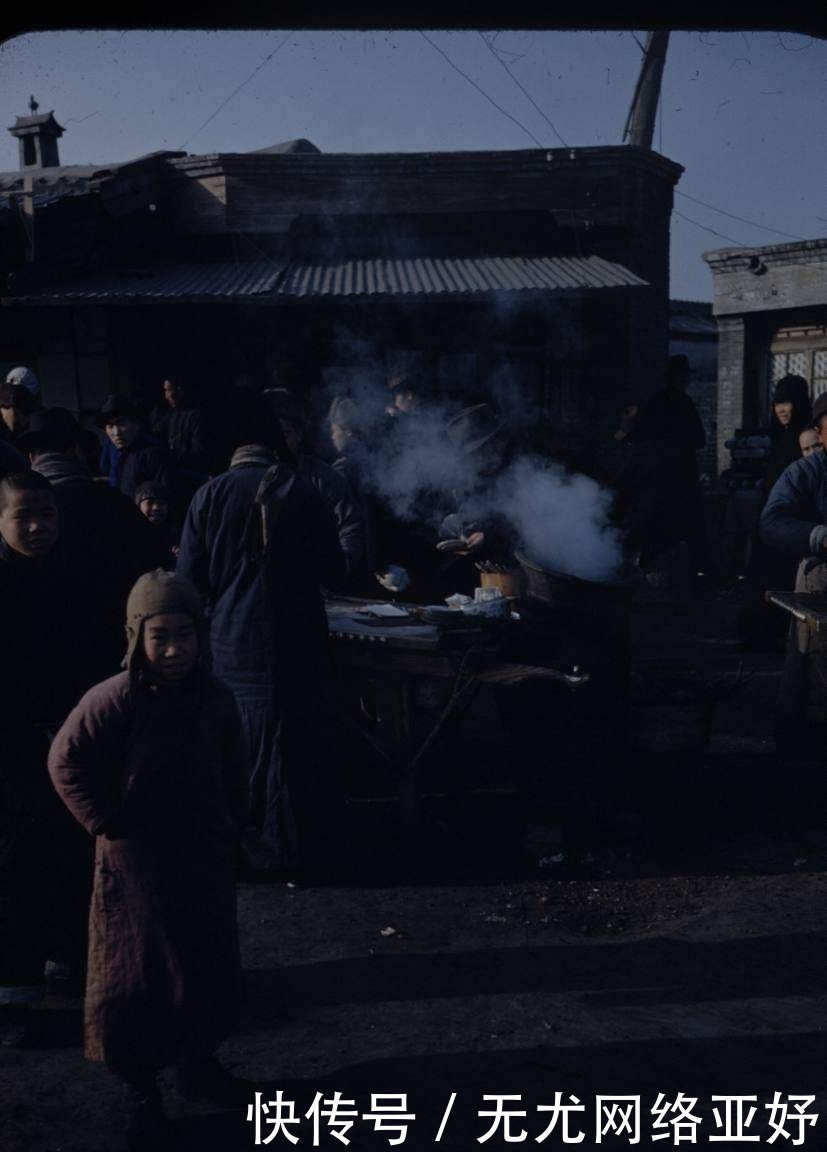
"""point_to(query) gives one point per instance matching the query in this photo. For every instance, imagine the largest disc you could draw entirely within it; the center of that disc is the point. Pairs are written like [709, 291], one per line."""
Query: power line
[235, 91]
[720, 235]
[481, 91]
[740, 219]
[527, 94]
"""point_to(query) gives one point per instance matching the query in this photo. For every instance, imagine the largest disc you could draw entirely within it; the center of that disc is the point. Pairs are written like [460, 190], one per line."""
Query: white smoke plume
[561, 518]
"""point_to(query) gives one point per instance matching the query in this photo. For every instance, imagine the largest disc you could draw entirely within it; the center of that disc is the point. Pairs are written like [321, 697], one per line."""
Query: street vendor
[473, 533]
[399, 556]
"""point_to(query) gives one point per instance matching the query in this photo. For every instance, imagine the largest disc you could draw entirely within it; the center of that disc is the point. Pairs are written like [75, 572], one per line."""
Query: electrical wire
[235, 91]
[741, 219]
[482, 91]
[720, 235]
[524, 91]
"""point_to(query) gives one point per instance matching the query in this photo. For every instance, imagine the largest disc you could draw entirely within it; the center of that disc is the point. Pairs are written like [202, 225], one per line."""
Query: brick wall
[731, 346]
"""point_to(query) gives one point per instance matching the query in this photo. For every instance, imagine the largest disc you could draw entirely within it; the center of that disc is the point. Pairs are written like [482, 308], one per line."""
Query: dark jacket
[346, 509]
[794, 520]
[158, 776]
[268, 622]
[40, 679]
[409, 543]
[105, 544]
[146, 459]
[11, 459]
[185, 432]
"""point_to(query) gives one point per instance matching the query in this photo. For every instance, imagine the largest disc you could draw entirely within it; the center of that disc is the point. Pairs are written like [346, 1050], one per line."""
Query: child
[152, 500]
[152, 763]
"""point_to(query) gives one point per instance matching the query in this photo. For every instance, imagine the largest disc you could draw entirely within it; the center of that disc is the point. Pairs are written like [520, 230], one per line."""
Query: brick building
[771, 308]
[538, 274]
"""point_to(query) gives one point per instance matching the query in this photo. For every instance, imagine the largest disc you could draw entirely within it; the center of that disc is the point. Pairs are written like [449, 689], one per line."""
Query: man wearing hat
[794, 523]
[408, 386]
[333, 488]
[483, 449]
[130, 455]
[19, 397]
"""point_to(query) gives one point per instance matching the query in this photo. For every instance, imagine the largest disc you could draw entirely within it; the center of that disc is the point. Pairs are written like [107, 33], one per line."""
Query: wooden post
[640, 123]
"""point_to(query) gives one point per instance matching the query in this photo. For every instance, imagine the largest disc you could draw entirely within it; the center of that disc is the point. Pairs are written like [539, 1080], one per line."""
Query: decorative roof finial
[33, 105]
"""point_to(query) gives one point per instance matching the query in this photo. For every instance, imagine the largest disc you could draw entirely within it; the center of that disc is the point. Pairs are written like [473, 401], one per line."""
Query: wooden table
[809, 610]
[395, 658]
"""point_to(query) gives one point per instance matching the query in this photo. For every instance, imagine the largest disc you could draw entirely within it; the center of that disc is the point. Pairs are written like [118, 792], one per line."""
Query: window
[799, 352]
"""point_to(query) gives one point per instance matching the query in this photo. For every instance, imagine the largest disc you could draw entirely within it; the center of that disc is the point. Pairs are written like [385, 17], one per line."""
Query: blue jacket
[794, 520]
[268, 622]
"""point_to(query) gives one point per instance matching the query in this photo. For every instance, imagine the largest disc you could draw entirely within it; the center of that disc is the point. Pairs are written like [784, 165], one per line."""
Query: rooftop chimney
[38, 136]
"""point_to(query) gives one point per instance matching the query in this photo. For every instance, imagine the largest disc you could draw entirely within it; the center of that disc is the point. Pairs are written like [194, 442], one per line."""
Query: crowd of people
[166, 685]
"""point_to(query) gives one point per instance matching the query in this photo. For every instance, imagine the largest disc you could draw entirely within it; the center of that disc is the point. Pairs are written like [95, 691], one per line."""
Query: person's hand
[394, 579]
[473, 543]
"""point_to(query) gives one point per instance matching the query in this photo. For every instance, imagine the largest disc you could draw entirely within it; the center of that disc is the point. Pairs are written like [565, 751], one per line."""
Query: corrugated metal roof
[179, 281]
[402, 277]
[431, 276]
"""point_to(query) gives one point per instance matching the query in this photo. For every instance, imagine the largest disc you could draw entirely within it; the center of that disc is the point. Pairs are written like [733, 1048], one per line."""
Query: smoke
[560, 518]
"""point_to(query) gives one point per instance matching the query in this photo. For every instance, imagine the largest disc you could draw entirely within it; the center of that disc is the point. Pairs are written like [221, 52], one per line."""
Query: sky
[745, 113]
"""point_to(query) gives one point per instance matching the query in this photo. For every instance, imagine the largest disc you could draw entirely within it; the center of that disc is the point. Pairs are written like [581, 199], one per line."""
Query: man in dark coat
[260, 543]
[399, 554]
[794, 524]
[332, 486]
[669, 425]
[181, 424]
[105, 544]
[766, 567]
[151, 762]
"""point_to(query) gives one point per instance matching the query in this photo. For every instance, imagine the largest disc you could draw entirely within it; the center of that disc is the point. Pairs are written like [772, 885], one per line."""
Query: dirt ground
[692, 964]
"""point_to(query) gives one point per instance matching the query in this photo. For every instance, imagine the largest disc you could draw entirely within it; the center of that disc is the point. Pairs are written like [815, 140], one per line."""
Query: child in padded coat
[152, 763]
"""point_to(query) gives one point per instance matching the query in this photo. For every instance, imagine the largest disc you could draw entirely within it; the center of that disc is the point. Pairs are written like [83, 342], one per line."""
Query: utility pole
[640, 123]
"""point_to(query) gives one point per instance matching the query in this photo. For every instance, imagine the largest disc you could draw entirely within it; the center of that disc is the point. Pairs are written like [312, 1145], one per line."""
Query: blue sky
[744, 112]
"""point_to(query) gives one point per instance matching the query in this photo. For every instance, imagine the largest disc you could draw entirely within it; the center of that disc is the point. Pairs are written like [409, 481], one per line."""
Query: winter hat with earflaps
[161, 593]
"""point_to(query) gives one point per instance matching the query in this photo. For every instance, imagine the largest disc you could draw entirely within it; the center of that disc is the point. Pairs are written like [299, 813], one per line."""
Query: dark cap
[50, 430]
[151, 490]
[473, 427]
[284, 404]
[115, 407]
